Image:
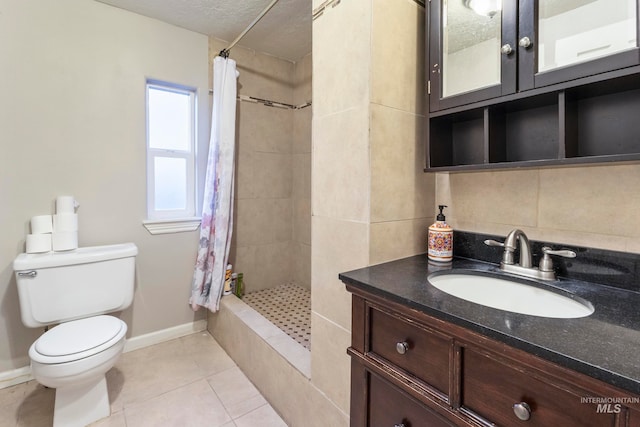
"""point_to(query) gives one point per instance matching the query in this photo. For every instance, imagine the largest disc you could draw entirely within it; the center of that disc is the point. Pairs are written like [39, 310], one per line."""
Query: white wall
[72, 121]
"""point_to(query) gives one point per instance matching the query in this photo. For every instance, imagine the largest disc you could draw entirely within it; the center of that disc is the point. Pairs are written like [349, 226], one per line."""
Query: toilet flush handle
[31, 273]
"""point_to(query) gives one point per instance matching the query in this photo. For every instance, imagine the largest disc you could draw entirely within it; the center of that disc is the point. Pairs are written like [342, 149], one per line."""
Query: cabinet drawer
[389, 406]
[491, 389]
[425, 354]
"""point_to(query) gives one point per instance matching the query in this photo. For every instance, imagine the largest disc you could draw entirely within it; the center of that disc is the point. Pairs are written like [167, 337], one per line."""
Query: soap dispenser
[440, 244]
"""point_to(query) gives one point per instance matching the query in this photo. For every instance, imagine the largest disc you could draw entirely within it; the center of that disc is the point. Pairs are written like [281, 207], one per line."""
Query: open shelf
[524, 130]
[594, 123]
[458, 139]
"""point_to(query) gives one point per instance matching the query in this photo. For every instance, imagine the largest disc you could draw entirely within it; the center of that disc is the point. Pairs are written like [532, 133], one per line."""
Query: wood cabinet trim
[461, 339]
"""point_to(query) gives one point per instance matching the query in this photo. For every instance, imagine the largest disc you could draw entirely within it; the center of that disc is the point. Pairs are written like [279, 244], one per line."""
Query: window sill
[174, 225]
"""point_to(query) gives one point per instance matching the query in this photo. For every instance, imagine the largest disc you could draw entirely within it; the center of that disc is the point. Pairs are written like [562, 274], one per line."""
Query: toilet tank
[60, 286]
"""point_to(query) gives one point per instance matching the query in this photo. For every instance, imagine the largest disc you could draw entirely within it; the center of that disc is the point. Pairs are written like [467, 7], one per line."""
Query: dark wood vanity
[449, 376]
[420, 357]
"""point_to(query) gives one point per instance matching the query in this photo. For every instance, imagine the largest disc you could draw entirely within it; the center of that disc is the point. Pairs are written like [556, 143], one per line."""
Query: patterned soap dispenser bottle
[440, 239]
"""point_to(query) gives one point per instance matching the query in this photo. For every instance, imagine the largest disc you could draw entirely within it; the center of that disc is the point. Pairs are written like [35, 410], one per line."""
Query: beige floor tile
[148, 372]
[165, 385]
[115, 420]
[11, 398]
[232, 387]
[9, 418]
[193, 405]
[206, 353]
[238, 409]
[36, 410]
[264, 416]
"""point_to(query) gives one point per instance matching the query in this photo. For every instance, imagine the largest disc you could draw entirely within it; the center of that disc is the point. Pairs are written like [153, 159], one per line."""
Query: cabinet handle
[525, 42]
[506, 49]
[399, 425]
[522, 411]
[402, 347]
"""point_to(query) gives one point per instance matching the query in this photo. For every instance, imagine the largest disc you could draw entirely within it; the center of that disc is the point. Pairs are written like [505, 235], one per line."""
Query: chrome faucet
[517, 236]
[525, 267]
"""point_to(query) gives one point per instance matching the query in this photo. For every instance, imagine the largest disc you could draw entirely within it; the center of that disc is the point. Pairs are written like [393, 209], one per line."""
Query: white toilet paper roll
[38, 243]
[41, 224]
[65, 222]
[66, 204]
[64, 240]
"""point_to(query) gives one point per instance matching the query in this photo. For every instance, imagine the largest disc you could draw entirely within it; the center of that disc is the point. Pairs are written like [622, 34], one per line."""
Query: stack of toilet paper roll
[57, 232]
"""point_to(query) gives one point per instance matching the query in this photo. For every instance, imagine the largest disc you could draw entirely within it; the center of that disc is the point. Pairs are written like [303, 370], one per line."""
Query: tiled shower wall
[272, 225]
[371, 201]
[301, 166]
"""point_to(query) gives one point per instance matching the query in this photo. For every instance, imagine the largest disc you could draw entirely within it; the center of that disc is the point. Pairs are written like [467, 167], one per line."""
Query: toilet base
[78, 406]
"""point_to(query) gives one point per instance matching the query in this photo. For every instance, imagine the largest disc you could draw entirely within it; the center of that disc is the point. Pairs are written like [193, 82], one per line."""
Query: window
[171, 142]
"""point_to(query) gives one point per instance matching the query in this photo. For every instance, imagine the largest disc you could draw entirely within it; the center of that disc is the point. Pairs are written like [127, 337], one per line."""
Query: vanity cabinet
[410, 369]
[537, 83]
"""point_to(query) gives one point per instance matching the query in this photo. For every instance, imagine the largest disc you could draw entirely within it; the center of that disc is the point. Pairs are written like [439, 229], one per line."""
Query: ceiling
[284, 32]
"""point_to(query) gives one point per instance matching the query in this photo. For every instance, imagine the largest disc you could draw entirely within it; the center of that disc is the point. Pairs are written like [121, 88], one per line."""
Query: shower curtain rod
[269, 103]
[225, 52]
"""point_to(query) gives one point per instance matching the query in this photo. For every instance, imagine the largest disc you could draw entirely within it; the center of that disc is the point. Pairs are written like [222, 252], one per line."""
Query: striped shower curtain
[217, 208]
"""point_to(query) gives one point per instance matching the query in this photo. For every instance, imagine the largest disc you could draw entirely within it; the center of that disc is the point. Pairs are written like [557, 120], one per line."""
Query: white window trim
[173, 221]
[168, 226]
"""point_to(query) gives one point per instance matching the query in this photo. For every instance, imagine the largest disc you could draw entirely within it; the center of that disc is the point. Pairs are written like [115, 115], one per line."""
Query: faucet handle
[507, 256]
[546, 264]
[566, 253]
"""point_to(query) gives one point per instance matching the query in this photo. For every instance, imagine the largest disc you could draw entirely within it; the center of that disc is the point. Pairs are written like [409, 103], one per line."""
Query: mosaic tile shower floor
[287, 306]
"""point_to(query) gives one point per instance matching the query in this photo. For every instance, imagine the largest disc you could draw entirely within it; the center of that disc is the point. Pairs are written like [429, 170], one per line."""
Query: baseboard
[21, 375]
[15, 376]
[163, 335]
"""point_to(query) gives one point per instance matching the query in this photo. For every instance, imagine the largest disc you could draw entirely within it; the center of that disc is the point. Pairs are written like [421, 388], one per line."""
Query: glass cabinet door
[578, 38]
[470, 48]
[472, 52]
[570, 32]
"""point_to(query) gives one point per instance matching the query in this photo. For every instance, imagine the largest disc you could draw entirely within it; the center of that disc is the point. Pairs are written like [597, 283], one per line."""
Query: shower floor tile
[287, 306]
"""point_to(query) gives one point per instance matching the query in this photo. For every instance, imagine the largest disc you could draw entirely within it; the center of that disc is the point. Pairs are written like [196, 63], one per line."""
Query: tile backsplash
[590, 206]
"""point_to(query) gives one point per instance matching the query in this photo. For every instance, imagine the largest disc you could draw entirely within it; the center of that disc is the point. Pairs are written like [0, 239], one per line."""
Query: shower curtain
[217, 208]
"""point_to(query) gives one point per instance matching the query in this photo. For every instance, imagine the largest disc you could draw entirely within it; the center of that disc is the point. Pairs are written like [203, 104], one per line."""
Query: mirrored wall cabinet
[532, 83]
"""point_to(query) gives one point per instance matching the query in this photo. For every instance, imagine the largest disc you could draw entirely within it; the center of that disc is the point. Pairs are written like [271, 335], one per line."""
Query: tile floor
[287, 306]
[186, 382]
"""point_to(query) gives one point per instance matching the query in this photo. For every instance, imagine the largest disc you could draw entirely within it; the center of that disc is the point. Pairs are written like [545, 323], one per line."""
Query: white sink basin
[508, 295]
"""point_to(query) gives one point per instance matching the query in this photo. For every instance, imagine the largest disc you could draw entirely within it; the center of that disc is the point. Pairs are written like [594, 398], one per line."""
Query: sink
[509, 295]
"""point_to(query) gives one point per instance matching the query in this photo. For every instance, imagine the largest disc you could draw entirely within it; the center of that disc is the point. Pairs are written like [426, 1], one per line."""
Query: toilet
[75, 290]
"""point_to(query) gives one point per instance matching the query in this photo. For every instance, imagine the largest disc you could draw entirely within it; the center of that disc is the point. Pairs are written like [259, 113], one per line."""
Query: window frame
[164, 219]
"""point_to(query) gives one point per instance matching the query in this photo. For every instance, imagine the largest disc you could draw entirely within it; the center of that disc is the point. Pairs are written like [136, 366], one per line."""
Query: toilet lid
[78, 336]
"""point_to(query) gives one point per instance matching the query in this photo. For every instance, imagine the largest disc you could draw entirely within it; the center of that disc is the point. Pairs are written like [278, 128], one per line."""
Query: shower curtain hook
[224, 53]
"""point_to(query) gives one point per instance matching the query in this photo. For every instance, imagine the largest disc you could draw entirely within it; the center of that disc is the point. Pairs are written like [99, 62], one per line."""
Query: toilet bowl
[74, 356]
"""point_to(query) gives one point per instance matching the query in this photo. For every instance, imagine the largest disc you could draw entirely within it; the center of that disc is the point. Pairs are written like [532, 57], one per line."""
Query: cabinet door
[472, 51]
[560, 41]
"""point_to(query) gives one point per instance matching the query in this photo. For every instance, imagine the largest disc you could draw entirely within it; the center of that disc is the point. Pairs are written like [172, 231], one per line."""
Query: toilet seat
[77, 339]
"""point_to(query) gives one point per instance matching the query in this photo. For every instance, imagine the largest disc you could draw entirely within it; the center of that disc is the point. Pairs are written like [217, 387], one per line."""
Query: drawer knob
[402, 347]
[399, 425]
[522, 411]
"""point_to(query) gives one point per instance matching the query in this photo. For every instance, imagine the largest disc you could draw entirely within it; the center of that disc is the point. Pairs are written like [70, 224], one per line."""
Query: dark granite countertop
[604, 345]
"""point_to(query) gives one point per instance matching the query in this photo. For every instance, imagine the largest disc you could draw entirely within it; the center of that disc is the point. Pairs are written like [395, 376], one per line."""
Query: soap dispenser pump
[440, 244]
